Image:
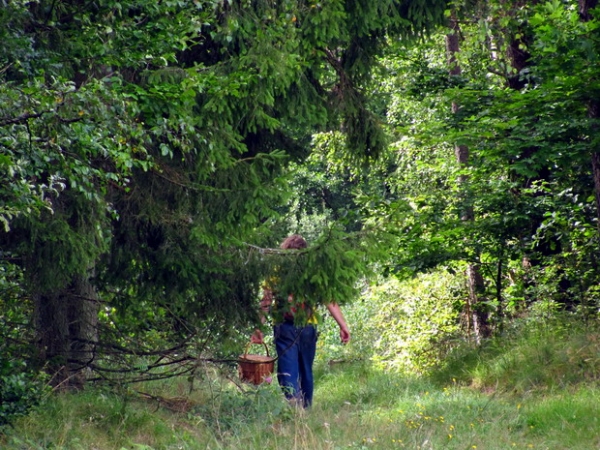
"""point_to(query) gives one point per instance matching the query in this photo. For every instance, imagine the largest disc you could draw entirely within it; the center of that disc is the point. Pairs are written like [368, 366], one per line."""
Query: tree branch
[22, 118]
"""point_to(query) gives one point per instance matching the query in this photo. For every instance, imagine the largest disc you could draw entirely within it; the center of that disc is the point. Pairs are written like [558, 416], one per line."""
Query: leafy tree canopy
[145, 154]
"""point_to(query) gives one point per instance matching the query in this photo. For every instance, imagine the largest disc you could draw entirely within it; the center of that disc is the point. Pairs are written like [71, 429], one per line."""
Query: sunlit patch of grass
[361, 384]
[530, 357]
[566, 420]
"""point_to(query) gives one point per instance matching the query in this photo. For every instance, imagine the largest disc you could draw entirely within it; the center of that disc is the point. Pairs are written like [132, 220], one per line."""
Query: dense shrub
[400, 325]
[20, 390]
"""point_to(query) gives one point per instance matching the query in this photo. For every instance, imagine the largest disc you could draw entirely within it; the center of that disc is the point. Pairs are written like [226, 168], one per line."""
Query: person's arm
[265, 305]
[336, 313]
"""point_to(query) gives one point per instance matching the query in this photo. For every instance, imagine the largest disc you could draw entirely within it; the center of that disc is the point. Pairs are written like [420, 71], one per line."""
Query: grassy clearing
[534, 391]
[356, 408]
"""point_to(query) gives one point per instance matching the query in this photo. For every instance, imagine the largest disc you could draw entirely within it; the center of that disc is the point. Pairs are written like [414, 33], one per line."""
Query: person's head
[295, 241]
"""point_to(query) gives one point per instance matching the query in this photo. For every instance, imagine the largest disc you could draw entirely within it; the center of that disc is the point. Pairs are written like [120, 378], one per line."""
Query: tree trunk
[477, 315]
[66, 325]
[584, 9]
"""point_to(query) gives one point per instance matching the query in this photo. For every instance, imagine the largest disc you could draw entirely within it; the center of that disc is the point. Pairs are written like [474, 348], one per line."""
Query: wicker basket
[255, 368]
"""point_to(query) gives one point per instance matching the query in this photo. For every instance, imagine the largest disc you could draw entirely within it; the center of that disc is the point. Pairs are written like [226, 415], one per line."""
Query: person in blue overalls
[295, 343]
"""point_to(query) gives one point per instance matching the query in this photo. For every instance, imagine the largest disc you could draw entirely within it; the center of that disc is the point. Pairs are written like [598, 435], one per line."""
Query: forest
[441, 158]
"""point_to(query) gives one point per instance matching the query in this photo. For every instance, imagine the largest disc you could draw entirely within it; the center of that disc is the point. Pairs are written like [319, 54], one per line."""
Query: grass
[356, 408]
[537, 391]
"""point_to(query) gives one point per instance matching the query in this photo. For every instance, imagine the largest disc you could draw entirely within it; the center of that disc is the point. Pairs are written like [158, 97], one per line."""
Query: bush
[401, 325]
[20, 390]
[415, 319]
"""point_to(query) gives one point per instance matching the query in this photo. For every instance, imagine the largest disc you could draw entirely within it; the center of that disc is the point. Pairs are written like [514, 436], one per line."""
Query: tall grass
[549, 355]
[535, 389]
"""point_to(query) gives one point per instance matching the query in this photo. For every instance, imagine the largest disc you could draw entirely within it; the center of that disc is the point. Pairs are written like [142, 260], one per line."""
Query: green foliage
[364, 335]
[414, 321]
[406, 326]
[523, 115]
[146, 148]
[158, 149]
[21, 386]
[21, 389]
[329, 270]
[541, 135]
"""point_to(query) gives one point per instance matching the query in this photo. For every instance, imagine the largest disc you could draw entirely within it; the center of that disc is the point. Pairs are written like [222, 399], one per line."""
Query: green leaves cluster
[20, 390]
[525, 108]
[146, 148]
[330, 270]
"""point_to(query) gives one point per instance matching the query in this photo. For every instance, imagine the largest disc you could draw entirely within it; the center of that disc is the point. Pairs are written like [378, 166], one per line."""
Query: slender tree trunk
[66, 325]
[476, 312]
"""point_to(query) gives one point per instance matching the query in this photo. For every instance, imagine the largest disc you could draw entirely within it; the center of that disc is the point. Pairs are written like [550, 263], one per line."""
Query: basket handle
[250, 343]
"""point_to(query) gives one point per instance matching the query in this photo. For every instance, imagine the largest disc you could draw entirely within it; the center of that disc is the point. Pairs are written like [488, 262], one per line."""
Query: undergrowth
[536, 388]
